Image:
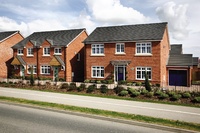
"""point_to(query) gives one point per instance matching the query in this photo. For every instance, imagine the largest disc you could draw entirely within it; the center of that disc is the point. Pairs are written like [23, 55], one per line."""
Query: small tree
[147, 84]
[31, 77]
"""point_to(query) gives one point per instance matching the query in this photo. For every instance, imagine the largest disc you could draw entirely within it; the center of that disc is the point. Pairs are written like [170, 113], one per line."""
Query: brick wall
[6, 54]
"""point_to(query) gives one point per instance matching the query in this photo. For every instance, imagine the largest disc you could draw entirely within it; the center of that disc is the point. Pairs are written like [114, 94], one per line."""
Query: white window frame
[97, 72]
[143, 48]
[141, 71]
[45, 52]
[97, 49]
[58, 51]
[121, 49]
[30, 52]
[20, 51]
[34, 69]
[45, 69]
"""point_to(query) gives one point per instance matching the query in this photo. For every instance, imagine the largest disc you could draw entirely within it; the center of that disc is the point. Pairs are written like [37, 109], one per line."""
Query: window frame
[59, 52]
[78, 56]
[28, 52]
[143, 48]
[44, 51]
[142, 73]
[120, 48]
[97, 49]
[45, 71]
[34, 69]
[20, 51]
[99, 72]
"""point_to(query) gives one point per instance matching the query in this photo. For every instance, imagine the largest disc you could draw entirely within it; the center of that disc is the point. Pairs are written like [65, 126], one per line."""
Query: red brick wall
[6, 54]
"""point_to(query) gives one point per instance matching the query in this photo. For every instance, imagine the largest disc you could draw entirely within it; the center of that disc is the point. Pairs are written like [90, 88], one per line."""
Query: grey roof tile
[57, 38]
[60, 60]
[195, 61]
[6, 34]
[180, 60]
[153, 31]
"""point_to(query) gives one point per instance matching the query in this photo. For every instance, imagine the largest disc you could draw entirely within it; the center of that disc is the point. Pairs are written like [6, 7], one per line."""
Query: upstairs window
[97, 49]
[46, 51]
[143, 48]
[120, 48]
[20, 51]
[30, 52]
[57, 51]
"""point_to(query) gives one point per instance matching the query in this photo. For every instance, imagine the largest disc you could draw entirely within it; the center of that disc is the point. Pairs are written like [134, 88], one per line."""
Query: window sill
[57, 54]
[29, 55]
[120, 53]
[142, 79]
[97, 55]
[143, 55]
[98, 77]
[20, 54]
[46, 55]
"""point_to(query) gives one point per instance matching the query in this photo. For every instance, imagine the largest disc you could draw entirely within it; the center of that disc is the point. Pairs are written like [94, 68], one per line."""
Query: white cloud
[176, 16]
[112, 11]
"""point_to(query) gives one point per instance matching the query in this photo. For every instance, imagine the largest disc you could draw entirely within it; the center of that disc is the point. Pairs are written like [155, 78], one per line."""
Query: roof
[57, 61]
[18, 61]
[55, 38]
[195, 61]
[180, 60]
[125, 33]
[6, 34]
[176, 49]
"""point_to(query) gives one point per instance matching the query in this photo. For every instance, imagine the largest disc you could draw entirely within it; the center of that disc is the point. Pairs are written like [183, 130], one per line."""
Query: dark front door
[120, 73]
[178, 77]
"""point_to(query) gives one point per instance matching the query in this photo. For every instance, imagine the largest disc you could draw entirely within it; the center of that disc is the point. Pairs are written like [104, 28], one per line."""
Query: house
[127, 52]
[181, 68]
[57, 55]
[7, 40]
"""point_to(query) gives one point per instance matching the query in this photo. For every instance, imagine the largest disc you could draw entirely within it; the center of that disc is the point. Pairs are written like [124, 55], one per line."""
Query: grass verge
[140, 118]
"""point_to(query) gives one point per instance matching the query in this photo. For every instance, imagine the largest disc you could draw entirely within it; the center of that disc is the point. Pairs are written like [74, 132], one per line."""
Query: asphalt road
[181, 113]
[19, 119]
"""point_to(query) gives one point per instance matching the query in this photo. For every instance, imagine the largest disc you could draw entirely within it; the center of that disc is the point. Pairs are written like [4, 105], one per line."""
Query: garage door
[178, 77]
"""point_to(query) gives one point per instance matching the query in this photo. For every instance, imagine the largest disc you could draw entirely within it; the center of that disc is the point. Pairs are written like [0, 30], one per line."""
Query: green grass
[147, 119]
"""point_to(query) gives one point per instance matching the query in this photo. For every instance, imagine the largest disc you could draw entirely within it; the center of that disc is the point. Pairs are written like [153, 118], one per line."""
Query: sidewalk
[181, 113]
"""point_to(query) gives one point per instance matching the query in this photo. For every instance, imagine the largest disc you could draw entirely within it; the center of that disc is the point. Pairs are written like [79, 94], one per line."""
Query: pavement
[173, 112]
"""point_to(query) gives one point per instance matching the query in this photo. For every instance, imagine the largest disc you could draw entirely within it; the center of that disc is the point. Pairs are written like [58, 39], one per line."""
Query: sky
[30, 16]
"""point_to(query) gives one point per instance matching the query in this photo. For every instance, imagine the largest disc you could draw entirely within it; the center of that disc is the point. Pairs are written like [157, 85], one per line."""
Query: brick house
[182, 69]
[127, 52]
[51, 54]
[7, 40]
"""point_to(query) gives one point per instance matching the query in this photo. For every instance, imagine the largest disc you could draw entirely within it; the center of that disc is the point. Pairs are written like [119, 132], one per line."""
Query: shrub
[123, 93]
[104, 89]
[186, 95]
[129, 84]
[163, 96]
[144, 91]
[72, 86]
[121, 82]
[104, 82]
[91, 88]
[138, 84]
[61, 79]
[135, 93]
[118, 89]
[109, 81]
[175, 97]
[87, 81]
[82, 87]
[147, 84]
[171, 93]
[197, 100]
[65, 86]
[149, 94]
[158, 93]
[98, 82]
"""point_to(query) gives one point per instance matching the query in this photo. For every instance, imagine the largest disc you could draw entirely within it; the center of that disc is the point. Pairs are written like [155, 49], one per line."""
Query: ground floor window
[45, 69]
[97, 72]
[34, 69]
[140, 73]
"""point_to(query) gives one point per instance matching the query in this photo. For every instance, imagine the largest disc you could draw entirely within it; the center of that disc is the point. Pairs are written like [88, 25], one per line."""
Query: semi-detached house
[51, 54]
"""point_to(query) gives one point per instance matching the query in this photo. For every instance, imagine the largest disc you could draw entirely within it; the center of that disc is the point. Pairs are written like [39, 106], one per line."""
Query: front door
[55, 73]
[120, 72]
[22, 71]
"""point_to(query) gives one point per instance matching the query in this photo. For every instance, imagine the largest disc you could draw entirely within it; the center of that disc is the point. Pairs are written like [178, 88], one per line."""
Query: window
[140, 72]
[30, 52]
[120, 48]
[34, 69]
[45, 70]
[20, 51]
[143, 48]
[57, 50]
[97, 72]
[78, 57]
[97, 49]
[46, 51]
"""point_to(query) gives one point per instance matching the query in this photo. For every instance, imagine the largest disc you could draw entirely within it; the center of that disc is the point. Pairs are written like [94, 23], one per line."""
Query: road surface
[181, 113]
[19, 119]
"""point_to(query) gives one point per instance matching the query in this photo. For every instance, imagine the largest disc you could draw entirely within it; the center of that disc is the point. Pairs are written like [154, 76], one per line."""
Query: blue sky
[43, 15]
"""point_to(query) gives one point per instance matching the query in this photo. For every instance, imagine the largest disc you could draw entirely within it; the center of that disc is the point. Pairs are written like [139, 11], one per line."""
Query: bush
[104, 82]
[144, 91]
[118, 89]
[65, 86]
[104, 89]
[135, 93]
[163, 96]
[72, 86]
[147, 84]
[149, 94]
[109, 81]
[171, 93]
[98, 82]
[186, 95]
[81, 87]
[123, 93]
[158, 93]
[175, 97]
[138, 84]
[197, 100]
[61, 79]
[91, 88]
[87, 81]
[121, 82]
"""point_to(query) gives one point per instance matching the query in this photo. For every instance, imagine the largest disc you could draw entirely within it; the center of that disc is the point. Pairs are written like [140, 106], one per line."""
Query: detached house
[51, 54]
[127, 52]
[7, 40]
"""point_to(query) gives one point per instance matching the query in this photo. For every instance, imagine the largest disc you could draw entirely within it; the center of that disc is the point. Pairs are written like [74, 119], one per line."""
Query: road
[19, 119]
[181, 113]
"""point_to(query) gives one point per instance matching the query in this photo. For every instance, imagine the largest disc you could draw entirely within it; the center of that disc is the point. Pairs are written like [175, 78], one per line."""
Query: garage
[178, 77]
